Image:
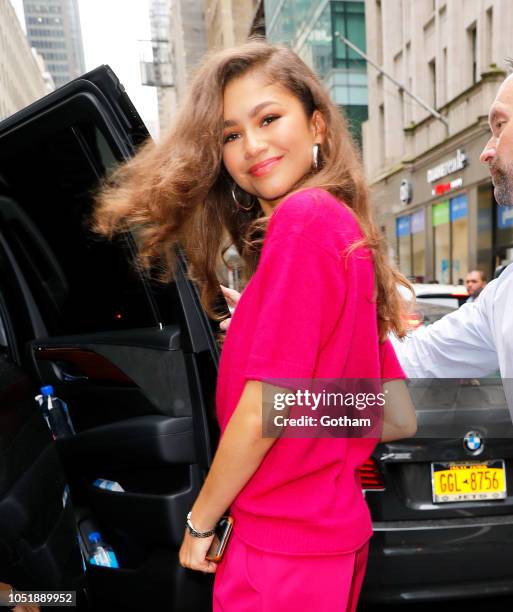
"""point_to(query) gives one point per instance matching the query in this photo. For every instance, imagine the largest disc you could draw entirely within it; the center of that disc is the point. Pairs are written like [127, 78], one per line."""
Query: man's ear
[318, 126]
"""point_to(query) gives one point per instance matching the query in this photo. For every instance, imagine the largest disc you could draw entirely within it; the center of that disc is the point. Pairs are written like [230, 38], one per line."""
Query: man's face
[498, 152]
[474, 282]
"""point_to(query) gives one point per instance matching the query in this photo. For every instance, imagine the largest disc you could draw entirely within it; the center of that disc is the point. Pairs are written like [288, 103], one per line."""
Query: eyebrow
[254, 111]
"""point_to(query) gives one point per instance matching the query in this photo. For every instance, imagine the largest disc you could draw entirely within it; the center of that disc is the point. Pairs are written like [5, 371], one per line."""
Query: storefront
[442, 219]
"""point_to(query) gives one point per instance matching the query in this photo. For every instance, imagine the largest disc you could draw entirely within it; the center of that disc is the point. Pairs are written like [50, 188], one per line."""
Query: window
[348, 18]
[80, 282]
[450, 239]
[411, 238]
[432, 83]
[489, 38]
[403, 233]
[472, 49]
[442, 242]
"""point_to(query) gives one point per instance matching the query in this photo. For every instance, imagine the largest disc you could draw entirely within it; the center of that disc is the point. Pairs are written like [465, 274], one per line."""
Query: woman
[259, 150]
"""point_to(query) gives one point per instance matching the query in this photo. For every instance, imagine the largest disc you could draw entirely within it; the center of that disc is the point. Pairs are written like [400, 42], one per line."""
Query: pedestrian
[475, 282]
[477, 339]
[260, 153]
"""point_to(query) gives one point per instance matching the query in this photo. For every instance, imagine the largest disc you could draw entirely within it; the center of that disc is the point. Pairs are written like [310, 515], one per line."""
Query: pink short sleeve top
[309, 311]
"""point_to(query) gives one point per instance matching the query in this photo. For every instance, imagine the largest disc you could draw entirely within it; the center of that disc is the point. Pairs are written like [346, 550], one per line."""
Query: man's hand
[232, 298]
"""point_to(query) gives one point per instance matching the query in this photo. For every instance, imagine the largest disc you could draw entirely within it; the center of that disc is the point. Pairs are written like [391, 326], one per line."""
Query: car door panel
[37, 541]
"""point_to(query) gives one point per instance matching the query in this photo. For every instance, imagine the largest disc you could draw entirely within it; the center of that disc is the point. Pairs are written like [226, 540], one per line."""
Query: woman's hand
[232, 298]
[193, 553]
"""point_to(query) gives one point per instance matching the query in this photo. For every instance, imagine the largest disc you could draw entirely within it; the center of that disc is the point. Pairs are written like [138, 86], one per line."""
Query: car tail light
[370, 476]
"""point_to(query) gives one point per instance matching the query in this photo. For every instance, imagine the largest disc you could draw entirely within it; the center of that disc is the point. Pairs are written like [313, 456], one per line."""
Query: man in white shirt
[476, 339]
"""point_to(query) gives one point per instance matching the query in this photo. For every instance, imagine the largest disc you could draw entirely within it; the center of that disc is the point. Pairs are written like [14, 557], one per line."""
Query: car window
[80, 282]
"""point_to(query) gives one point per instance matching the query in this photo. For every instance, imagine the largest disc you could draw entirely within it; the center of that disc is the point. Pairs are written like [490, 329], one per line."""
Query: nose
[254, 145]
[488, 152]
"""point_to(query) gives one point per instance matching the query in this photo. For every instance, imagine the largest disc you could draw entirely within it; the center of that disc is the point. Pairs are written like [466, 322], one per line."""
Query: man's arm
[461, 344]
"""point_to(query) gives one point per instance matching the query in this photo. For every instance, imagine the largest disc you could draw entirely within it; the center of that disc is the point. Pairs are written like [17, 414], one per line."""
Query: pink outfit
[309, 311]
[250, 580]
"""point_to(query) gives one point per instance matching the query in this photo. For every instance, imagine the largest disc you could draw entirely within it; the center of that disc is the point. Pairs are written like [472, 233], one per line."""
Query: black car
[134, 360]
[432, 541]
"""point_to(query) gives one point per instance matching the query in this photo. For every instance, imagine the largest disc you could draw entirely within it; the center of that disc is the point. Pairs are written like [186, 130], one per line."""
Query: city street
[199, 198]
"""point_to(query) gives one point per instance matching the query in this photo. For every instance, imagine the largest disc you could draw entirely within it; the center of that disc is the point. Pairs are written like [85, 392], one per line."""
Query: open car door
[134, 360]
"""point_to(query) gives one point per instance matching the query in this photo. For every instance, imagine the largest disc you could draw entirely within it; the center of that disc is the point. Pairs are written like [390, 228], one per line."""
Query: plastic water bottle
[101, 553]
[108, 485]
[55, 412]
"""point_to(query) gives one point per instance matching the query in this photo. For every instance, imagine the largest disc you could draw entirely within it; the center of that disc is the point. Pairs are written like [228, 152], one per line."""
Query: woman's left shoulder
[314, 207]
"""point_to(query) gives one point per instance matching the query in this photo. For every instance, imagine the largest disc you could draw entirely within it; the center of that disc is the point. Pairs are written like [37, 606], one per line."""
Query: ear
[318, 126]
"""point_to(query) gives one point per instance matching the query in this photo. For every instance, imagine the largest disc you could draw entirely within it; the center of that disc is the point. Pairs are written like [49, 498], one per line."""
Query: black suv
[134, 360]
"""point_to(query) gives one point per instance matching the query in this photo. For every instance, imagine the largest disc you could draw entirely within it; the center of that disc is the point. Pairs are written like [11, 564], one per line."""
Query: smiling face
[498, 152]
[268, 138]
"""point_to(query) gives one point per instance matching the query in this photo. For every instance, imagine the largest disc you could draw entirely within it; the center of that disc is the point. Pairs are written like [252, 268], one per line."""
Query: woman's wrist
[202, 521]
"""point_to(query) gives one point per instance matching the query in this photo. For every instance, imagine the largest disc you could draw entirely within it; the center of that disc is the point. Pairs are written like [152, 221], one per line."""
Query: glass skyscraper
[53, 28]
[310, 28]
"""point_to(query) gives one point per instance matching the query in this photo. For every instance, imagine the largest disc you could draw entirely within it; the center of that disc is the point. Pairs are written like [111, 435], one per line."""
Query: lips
[265, 166]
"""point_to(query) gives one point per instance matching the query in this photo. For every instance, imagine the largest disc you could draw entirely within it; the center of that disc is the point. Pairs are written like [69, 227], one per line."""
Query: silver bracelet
[194, 532]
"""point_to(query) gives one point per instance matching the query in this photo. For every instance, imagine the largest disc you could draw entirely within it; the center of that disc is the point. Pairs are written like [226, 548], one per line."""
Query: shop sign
[418, 222]
[402, 226]
[459, 207]
[458, 162]
[504, 217]
[405, 191]
[442, 188]
[441, 214]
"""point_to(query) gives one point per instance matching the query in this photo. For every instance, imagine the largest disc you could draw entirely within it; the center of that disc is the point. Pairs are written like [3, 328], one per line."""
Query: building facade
[188, 40]
[229, 22]
[53, 28]
[432, 195]
[21, 79]
[161, 74]
[312, 29]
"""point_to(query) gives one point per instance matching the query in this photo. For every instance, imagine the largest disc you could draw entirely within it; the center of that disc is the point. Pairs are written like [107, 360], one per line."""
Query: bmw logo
[473, 442]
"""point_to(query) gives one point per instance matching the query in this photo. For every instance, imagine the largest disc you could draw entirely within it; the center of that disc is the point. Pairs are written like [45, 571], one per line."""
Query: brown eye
[269, 119]
[230, 138]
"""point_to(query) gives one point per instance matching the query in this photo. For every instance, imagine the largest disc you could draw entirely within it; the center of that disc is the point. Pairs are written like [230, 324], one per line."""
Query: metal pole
[399, 85]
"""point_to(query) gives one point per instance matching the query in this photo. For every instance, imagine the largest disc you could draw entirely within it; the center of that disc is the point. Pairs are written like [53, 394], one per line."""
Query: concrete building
[161, 74]
[433, 196]
[310, 29]
[21, 80]
[188, 40]
[53, 28]
[229, 22]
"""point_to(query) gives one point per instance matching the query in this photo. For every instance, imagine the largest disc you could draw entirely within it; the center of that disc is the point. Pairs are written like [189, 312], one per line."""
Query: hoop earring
[238, 205]
[315, 156]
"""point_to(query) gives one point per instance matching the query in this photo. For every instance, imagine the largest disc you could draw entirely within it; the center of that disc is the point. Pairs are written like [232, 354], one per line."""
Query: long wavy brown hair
[178, 192]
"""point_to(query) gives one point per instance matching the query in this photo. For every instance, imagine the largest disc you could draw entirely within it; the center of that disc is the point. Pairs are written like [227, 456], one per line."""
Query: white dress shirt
[473, 341]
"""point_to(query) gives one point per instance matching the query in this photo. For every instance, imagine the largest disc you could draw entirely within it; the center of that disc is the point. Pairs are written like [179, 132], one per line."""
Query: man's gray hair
[508, 62]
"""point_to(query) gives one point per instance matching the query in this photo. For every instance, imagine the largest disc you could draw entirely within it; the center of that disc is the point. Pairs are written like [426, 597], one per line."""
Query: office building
[229, 22]
[312, 30]
[53, 28]
[433, 196]
[21, 78]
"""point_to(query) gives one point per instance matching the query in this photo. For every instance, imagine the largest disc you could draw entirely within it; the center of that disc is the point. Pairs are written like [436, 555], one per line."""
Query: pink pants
[250, 580]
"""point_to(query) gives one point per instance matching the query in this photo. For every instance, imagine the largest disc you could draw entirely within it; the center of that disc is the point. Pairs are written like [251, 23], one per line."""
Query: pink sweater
[308, 312]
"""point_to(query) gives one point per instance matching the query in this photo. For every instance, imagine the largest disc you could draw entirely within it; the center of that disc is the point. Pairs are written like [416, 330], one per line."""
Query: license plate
[468, 481]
